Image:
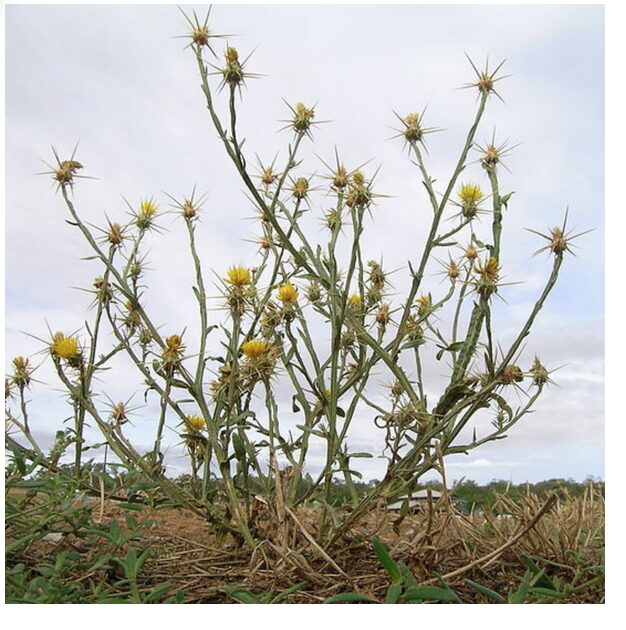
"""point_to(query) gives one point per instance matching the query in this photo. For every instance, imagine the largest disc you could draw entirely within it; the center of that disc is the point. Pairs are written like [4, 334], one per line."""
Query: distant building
[416, 501]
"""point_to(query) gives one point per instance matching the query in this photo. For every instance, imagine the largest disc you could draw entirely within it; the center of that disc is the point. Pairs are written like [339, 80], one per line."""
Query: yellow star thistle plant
[278, 389]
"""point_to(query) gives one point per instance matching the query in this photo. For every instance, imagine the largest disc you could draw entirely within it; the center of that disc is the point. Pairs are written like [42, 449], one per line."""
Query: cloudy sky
[118, 80]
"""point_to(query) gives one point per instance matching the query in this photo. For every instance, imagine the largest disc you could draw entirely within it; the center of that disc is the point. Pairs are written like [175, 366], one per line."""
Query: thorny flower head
[115, 234]
[413, 129]
[103, 290]
[64, 171]
[195, 423]
[539, 373]
[452, 270]
[360, 193]
[119, 413]
[233, 73]
[260, 359]
[559, 239]
[383, 316]
[145, 337]
[377, 277]
[255, 349]
[63, 347]
[133, 315]
[377, 282]
[424, 304]
[486, 80]
[470, 195]
[300, 188]
[488, 272]
[267, 175]
[301, 120]
[413, 329]
[200, 33]
[302, 117]
[189, 207]
[511, 374]
[471, 252]
[492, 153]
[355, 302]
[332, 219]
[313, 292]
[287, 293]
[397, 389]
[21, 372]
[339, 175]
[238, 276]
[172, 354]
[146, 214]
[264, 242]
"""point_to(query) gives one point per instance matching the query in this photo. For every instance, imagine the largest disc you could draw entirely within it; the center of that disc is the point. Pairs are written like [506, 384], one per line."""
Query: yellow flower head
[148, 208]
[489, 270]
[287, 293]
[355, 301]
[423, 304]
[194, 423]
[20, 364]
[231, 55]
[64, 347]
[174, 349]
[146, 214]
[255, 349]
[470, 194]
[238, 276]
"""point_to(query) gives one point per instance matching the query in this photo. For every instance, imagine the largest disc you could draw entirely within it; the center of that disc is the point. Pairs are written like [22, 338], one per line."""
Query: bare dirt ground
[486, 549]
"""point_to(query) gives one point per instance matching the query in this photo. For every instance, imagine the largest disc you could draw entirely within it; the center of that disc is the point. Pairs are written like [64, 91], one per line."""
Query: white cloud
[482, 463]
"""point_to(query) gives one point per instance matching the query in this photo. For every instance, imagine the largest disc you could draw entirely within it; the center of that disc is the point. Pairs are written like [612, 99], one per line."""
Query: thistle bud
[539, 373]
[314, 293]
[511, 374]
[382, 316]
[302, 118]
[115, 235]
[413, 131]
[300, 188]
[21, 372]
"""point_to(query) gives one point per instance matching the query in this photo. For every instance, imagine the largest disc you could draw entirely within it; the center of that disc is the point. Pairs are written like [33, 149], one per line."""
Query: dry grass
[564, 536]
